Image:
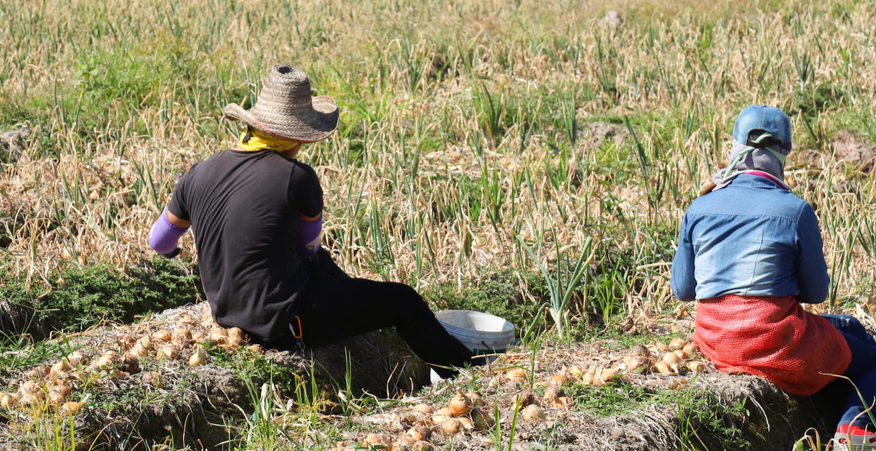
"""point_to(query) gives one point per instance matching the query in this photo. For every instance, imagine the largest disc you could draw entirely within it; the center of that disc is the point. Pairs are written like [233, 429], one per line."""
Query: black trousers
[334, 306]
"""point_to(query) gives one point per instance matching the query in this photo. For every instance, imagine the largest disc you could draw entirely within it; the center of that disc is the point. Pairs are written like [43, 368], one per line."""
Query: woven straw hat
[285, 109]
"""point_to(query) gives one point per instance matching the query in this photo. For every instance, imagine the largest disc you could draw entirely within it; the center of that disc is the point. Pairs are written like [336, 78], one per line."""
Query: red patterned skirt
[771, 337]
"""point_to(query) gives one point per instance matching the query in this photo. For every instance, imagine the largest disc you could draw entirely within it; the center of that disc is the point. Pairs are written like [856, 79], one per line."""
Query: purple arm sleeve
[164, 235]
[308, 237]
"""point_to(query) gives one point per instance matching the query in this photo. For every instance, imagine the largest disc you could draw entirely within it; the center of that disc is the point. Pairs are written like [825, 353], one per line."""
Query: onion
[62, 365]
[480, 419]
[563, 402]
[29, 388]
[162, 335]
[588, 376]
[576, 371]
[476, 399]
[690, 348]
[138, 351]
[420, 432]
[533, 412]
[516, 375]
[131, 364]
[637, 364]
[59, 370]
[58, 393]
[404, 442]
[145, 342]
[460, 404]
[218, 335]
[676, 343]
[438, 419]
[106, 360]
[558, 379]
[423, 408]
[8, 400]
[76, 358]
[553, 392]
[38, 372]
[466, 423]
[603, 377]
[167, 352]
[444, 411]
[641, 350]
[663, 368]
[31, 398]
[199, 357]
[256, 348]
[696, 366]
[236, 332]
[235, 340]
[406, 420]
[421, 445]
[72, 407]
[451, 426]
[152, 378]
[377, 440]
[182, 335]
[672, 359]
[523, 399]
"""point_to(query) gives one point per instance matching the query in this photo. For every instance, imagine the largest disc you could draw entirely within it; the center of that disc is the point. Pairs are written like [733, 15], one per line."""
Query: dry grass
[425, 180]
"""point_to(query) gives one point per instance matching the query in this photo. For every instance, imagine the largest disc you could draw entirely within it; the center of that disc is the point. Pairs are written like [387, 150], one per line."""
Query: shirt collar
[755, 181]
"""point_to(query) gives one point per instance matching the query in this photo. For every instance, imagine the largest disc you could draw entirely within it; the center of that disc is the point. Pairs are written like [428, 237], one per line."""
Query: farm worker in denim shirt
[750, 252]
[256, 213]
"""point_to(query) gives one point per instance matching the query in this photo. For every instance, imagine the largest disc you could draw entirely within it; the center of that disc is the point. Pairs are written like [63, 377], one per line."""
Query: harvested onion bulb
[167, 352]
[451, 426]
[423, 408]
[533, 412]
[420, 432]
[218, 335]
[480, 419]
[199, 357]
[162, 335]
[460, 404]
[558, 379]
[516, 375]
[72, 407]
[58, 393]
[8, 400]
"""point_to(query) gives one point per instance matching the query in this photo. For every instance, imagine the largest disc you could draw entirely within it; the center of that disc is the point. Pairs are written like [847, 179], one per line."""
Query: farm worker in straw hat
[750, 252]
[256, 214]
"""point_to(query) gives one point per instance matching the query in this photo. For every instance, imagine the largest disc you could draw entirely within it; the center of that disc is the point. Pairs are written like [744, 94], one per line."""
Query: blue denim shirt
[751, 238]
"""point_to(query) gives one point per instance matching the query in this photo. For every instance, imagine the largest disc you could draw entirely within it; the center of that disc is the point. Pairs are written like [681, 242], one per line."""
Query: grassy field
[489, 152]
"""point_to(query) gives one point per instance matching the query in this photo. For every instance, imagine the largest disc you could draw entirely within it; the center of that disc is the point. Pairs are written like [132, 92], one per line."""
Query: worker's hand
[172, 253]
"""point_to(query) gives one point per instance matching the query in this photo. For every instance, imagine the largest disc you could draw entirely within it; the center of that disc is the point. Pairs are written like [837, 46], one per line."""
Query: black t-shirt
[245, 210]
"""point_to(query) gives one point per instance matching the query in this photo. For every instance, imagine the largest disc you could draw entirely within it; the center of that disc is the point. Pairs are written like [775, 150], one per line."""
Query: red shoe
[853, 438]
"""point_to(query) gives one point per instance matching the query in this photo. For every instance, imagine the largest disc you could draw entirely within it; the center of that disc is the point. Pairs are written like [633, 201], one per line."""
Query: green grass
[83, 297]
[701, 417]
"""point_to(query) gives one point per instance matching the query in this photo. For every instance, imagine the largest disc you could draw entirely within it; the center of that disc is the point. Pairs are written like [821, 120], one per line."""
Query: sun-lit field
[533, 144]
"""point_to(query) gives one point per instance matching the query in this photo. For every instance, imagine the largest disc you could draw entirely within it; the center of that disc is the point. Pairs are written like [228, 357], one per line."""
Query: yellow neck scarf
[253, 139]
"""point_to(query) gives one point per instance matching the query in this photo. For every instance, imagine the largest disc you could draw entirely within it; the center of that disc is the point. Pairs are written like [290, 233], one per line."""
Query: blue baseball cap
[762, 118]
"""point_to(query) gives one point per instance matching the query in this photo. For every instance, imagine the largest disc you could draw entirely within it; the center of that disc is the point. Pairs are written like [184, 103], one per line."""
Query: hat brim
[315, 125]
